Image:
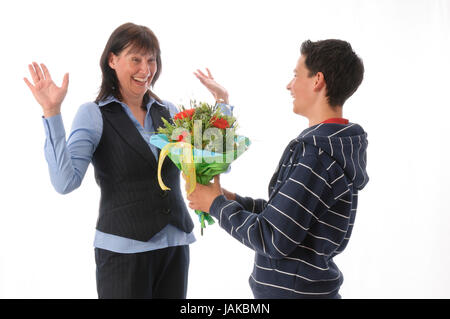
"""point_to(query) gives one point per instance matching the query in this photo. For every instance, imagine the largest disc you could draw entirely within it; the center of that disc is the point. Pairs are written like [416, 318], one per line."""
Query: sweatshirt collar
[336, 120]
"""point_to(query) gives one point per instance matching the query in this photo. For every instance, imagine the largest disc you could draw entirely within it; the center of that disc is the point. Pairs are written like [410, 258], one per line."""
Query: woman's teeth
[143, 80]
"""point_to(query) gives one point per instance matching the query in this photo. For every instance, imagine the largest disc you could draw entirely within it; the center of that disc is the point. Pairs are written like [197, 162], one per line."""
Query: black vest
[132, 204]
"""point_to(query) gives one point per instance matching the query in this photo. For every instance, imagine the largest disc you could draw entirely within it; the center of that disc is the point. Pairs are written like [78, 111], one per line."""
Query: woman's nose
[145, 67]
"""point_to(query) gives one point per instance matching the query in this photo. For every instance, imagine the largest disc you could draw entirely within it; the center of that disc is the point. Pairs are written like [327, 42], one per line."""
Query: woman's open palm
[218, 91]
[45, 91]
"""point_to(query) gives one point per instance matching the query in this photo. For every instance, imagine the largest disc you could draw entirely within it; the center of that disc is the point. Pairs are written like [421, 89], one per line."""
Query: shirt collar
[112, 98]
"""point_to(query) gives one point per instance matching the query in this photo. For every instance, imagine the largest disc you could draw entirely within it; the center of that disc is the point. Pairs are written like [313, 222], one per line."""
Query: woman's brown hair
[142, 39]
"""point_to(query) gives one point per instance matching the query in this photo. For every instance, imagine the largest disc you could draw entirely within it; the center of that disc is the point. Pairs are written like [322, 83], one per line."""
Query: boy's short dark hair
[343, 70]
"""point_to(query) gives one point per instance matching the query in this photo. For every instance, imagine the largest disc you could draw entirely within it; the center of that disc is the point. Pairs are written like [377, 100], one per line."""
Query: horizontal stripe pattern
[309, 216]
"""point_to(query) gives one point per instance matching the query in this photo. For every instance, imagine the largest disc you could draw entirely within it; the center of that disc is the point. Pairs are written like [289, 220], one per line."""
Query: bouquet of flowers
[201, 142]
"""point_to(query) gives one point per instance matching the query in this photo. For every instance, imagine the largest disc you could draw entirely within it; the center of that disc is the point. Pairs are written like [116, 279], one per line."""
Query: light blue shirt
[69, 160]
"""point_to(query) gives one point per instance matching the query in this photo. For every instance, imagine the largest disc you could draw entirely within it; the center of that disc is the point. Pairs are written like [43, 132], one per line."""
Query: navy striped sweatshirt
[309, 216]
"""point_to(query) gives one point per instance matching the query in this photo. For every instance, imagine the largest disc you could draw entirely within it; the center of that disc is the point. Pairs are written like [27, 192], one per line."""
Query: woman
[143, 233]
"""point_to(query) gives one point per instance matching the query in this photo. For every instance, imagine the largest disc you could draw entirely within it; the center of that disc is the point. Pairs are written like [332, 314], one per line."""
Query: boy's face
[302, 88]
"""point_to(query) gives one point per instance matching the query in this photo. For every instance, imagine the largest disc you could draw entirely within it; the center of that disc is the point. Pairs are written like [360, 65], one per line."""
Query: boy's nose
[288, 86]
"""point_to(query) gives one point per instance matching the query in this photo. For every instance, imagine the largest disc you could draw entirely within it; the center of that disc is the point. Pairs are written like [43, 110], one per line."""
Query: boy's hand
[203, 195]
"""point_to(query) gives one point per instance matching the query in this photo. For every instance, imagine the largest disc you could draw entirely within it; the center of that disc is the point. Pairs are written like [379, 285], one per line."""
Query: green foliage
[188, 120]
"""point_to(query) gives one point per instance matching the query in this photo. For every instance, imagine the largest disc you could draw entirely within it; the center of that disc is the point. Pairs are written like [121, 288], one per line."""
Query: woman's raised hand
[218, 91]
[45, 91]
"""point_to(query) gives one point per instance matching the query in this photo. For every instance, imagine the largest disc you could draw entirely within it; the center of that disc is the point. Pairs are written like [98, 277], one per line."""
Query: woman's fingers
[38, 71]
[65, 83]
[201, 78]
[28, 83]
[209, 74]
[201, 73]
[33, 74]
[46, 73]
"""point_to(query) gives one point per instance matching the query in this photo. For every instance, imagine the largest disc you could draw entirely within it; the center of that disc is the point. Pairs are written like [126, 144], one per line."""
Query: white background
[399, 247]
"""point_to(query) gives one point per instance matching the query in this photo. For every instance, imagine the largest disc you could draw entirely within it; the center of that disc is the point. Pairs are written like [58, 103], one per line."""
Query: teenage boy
[313, 194]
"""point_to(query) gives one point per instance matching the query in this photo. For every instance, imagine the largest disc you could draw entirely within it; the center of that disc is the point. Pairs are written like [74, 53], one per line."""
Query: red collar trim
[337, 120]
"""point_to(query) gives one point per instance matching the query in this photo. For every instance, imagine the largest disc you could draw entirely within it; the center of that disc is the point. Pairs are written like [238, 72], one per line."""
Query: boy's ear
[319, 81]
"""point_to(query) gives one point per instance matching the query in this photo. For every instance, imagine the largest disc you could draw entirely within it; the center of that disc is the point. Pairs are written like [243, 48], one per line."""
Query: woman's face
[134, 70]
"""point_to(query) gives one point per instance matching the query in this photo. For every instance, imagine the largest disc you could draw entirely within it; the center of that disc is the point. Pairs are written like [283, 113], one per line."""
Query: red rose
[180, 115]
[219, 123]
[190, 113]
[187, 113]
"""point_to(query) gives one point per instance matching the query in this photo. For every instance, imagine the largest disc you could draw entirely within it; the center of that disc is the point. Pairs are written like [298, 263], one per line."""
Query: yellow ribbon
[186, 159]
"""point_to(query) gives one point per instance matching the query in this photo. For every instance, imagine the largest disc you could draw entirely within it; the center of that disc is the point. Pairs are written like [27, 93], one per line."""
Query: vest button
[166, 211]
[164, 194]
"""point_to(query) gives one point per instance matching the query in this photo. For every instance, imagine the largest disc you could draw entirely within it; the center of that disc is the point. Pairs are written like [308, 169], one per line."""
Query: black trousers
[161, 273]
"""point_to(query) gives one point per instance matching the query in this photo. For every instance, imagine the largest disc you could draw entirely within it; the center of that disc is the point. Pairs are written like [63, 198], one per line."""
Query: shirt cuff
[54, 127]
[226, 108]
[217, 205]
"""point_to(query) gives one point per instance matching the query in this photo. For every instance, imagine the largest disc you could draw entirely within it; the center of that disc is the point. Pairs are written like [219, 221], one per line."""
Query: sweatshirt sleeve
[284, 222]
[252, 205]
